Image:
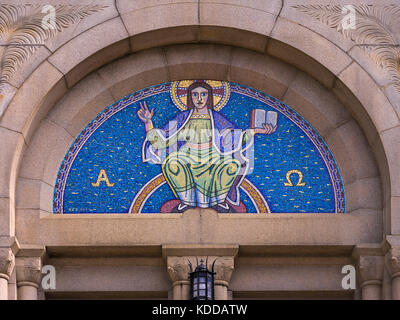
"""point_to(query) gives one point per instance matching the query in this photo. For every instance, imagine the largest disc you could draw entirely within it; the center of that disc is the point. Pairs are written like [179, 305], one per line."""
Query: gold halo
[221, 93]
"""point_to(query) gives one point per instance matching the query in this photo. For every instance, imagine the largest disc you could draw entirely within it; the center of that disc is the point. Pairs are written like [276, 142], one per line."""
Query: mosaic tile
[291, 170]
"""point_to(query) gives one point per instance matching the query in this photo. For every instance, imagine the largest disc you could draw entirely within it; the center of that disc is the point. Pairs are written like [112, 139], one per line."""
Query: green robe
[197, 174]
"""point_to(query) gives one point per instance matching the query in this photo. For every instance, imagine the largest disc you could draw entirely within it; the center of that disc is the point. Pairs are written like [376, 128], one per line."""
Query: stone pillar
[7, 262]
[29, 271]
[370, 269]
[393, 263]
[223, 268]
[178, 270]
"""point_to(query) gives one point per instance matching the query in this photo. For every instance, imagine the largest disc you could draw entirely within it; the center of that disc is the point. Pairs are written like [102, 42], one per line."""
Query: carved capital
[393, 261]
[28, 270]
[7, 262]
[223, 270]
[178, 268]
[370, 269]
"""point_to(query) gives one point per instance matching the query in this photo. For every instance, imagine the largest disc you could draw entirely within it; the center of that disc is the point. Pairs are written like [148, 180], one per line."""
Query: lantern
[201, 281]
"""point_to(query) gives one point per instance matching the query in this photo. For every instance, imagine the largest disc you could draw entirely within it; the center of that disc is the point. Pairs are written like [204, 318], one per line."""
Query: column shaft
[371, 290]
[3, 289]
[27, 291]
[220, 292]
[396, 288]
[181, 290]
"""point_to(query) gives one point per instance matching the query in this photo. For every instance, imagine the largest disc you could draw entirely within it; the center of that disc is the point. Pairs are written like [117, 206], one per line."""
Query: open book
[259, 117]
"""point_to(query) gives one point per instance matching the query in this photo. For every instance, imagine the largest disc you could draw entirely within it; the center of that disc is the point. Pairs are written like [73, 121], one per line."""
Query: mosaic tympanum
[198, 143]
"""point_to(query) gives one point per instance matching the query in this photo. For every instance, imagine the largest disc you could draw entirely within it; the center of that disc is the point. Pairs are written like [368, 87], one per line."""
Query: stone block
[198, 61]
[317, 105]
[262, 72]
[28, 194]
[364, 194]
[239, 16]
[234, 37]
[363, 225]
[363, 58]
[393, 94]
[81, 104]
[8, 93]
[11, 144]
[45, 153]
[352, 152]
[164, 37]
[391, 142]
[6, 222]
[357, 110]
[29, 98]
[105, 42]
[394, 205]
[124, 6]
[34, 195]
[134, 72]
[139, 18]
[297, 45]
[370, 96]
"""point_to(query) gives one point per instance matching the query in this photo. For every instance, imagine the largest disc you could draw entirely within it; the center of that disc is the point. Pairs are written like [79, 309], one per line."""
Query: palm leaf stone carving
[22, 32]
[377, 31]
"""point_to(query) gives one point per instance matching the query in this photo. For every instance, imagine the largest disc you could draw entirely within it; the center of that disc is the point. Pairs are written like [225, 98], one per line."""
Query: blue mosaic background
[116, 147]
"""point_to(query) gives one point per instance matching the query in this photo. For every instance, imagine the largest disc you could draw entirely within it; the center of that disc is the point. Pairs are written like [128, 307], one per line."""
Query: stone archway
[230, 47]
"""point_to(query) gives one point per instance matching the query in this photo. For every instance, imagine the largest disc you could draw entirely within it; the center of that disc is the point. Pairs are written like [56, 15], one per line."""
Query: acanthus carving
[393, 261]
[28, 269]
[371, 268]
[376, 32]
[223, 268]
[22, 31]
[178, 268]
[7, 262]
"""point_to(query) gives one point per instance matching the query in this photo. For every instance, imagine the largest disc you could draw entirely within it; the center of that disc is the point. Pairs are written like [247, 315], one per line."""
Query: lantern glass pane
[202, 286]
[202, 280]
[202, 292]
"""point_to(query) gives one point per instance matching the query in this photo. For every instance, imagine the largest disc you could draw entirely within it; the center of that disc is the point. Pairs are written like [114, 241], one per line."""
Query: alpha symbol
[102, 177]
